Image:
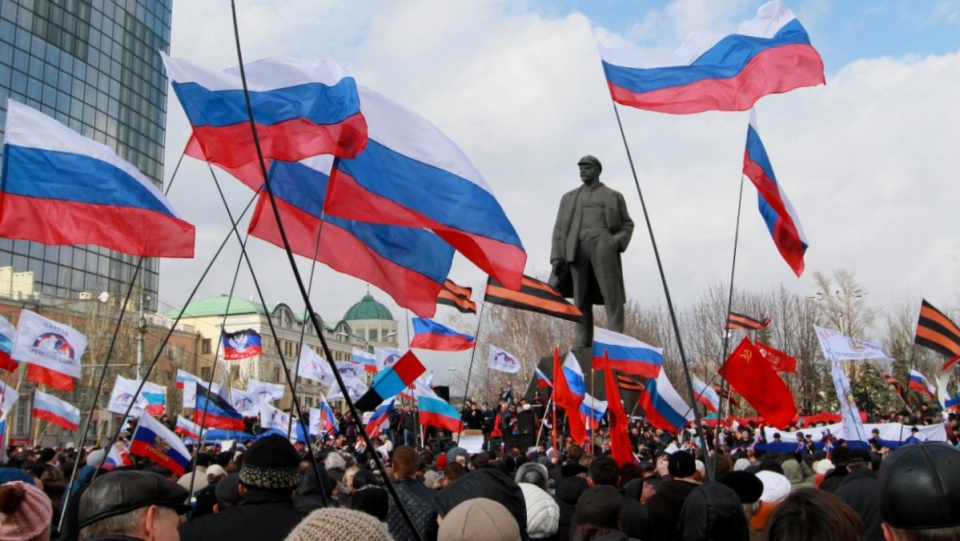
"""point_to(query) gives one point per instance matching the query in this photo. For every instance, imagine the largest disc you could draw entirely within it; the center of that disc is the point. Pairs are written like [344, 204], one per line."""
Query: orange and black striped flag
[629, 383]
[534, 296]
[746, 323]
[896, 384]
[725, 394]
[457, 296]
[937, 332]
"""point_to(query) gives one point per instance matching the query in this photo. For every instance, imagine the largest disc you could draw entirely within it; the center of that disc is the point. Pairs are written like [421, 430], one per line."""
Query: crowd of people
[416, 485]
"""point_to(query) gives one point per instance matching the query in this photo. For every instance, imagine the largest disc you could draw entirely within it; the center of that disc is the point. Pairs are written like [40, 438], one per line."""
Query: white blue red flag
[775, 207]
[51, 349]
[116, 457]
[367, 359]
[241, 345]
[123, 394]
[593, 408]
[156, 397]
[377, 419]
[770, 54]
[187, 428]
[706, 395]
[408, 263]
[301, 108]
[625, 354]
[412, 174]
[59, 187]
[7, 335]
[52, 409]
[435, 411]
[8, 397]
[322, 420]
[428, 334]
[663, 406]
[542, 380]
[920, 383]
[158, 443]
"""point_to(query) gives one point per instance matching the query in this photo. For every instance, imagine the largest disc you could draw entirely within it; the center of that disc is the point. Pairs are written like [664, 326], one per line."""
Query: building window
[374, 335]
[205, 373]
[205, 346]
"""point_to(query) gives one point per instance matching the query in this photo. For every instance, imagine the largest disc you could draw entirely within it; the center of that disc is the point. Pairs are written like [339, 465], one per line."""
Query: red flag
[566, 399]
[780, 361]
[620, 447]
[758, 384]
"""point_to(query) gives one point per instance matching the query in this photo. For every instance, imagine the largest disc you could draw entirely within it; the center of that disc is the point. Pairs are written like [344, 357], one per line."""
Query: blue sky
[869, 160]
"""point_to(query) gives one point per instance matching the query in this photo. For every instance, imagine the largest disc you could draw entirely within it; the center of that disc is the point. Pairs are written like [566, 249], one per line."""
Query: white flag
[349, 369]
[271, 417]
[315, 415]
[267, 391]
[842, 348]
[8, 397]
[123, 394]
[386, 357]
[49, 344]
[246, 404]
[502, 361]
[355, 388]
[311, 366]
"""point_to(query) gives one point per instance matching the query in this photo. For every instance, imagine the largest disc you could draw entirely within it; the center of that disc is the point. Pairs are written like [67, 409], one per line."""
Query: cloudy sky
[869, 160]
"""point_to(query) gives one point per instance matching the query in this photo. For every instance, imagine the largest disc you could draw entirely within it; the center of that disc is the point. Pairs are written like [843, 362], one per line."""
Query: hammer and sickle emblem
[747, 355]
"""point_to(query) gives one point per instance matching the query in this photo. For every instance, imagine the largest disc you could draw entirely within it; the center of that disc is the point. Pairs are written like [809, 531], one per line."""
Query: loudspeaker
[443, 391]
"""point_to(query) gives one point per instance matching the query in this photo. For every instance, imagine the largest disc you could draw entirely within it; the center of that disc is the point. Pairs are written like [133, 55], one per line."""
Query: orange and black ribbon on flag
[725, 395]
[629, 383]
[745, 323]
[937, 332]
[534, 296]
[457, 297]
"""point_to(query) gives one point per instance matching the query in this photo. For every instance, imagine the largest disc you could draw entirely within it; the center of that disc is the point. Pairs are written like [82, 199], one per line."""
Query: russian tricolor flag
[182, 377]
[365, 358]
[429, 334]
[59, 187]
[706, 395]
[664, 407]
[568, 392]
[378, 417]
[410, 264]
[775, 207]
[593, 408]
[7, 334]
[328, 422]
[435, 411]
[412, 174]
[186, 427]
[301, 108]
[625, 354]
[59, 412]
[154, 441]
[542, 380]
[919, 383]
[714, 72]
[156, 401]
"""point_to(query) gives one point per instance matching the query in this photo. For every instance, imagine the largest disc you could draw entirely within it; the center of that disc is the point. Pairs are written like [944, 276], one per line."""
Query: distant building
[372, 322]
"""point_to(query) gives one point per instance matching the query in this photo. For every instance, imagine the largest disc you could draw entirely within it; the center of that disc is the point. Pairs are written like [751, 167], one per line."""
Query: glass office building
[93, 65]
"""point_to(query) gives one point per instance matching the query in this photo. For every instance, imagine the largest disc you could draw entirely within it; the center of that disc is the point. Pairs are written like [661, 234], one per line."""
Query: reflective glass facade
[93, 65]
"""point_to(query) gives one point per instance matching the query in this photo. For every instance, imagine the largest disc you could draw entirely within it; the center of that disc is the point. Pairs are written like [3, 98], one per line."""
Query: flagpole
[666, 290]
[540, 433]
[473, 355]
[303, 292]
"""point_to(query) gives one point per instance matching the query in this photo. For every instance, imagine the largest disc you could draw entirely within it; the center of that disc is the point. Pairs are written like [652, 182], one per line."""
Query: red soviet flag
[757, 382]
[620, 447]
[780, 361]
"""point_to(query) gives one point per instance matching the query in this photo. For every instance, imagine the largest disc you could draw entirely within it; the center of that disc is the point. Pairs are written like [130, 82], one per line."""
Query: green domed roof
[367, 308]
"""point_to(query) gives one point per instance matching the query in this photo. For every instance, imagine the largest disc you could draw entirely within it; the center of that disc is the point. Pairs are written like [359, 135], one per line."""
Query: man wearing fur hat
[269, 475]
[593, 228]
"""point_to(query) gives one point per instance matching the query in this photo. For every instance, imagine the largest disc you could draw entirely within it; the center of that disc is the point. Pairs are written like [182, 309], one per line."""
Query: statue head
[590, 168]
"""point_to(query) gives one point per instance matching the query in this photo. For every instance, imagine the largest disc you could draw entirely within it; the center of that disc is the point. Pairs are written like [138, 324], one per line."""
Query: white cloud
[868, 160]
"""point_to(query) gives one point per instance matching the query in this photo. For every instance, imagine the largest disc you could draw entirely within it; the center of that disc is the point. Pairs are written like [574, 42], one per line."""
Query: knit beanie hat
[776, 487]
[479, 519]
[372, 500]
[25, 512]
[339, 524]
[271, 463]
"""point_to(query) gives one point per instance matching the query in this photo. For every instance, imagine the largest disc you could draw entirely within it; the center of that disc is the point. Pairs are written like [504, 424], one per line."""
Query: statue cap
[590, 159]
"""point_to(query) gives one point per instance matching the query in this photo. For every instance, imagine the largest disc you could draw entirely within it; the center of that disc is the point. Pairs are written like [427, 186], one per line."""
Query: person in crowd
[598, 514]
[205, 499]
[332, 524]
[479, 519]
[199, 480]
[131, 505]
[712, 511]
[26, 513]
[776, 488]
[269, 475]
[664, 506]
[860, 490]
[489, 483]
[416, 499]
[810, 514]
[543, 513]
[919, 487]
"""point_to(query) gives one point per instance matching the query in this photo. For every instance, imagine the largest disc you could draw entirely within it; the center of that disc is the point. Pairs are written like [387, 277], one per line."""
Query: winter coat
[312, 494]
[419, 502]
[860, 489]
[260, 516]
[566, 494]
[543, 513]
[665, 506]
[486, 483]
[712, 511]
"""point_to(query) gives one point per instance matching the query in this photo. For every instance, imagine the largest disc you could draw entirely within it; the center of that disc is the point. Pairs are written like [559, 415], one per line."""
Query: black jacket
[861, 490]
[712, 511]
[260, 516]
[664, 508]
[312, 494]
[419, 501]
[486, 483]
[566, 494]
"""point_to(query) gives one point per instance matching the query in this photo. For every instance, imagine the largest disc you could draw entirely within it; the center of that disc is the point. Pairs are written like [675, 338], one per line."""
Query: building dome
[367, 308]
